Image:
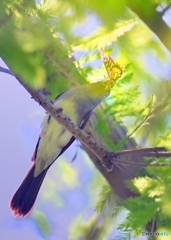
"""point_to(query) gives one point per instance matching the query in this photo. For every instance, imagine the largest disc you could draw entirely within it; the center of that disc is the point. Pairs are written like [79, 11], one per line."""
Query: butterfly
[114, 69]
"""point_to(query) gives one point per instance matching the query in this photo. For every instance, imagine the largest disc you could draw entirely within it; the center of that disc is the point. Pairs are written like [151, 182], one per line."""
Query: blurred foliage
[54, 45]
[102, 35]
[152, 203]
[123, 236]
[42, 223]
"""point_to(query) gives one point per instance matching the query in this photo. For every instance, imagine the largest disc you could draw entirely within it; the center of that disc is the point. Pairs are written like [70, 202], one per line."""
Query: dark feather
[24, 198]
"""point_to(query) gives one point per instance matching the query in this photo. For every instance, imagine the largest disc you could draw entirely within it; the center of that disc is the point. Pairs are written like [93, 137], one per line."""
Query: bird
[76, 103]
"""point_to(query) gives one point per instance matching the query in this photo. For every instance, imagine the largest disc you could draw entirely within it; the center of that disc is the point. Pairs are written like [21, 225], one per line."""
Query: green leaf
[43, 223]
[103, 37]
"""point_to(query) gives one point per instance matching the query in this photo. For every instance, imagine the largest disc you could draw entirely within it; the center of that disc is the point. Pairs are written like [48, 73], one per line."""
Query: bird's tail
[24, 198]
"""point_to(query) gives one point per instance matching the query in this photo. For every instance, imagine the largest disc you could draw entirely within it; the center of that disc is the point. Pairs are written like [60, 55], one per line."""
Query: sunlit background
[65, 207]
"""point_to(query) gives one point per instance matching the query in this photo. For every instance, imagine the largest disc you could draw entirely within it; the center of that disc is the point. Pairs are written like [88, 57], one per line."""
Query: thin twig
[145, 152]
[165, 9]
[5, 70]
[138, 164]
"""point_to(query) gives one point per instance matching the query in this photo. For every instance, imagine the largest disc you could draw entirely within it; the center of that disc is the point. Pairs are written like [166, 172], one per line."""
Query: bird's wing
[82, 125]
[48, 157]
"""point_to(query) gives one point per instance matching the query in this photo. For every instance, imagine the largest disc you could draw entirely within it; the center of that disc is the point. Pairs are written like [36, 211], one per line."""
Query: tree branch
[146, 11]
[108, 159]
